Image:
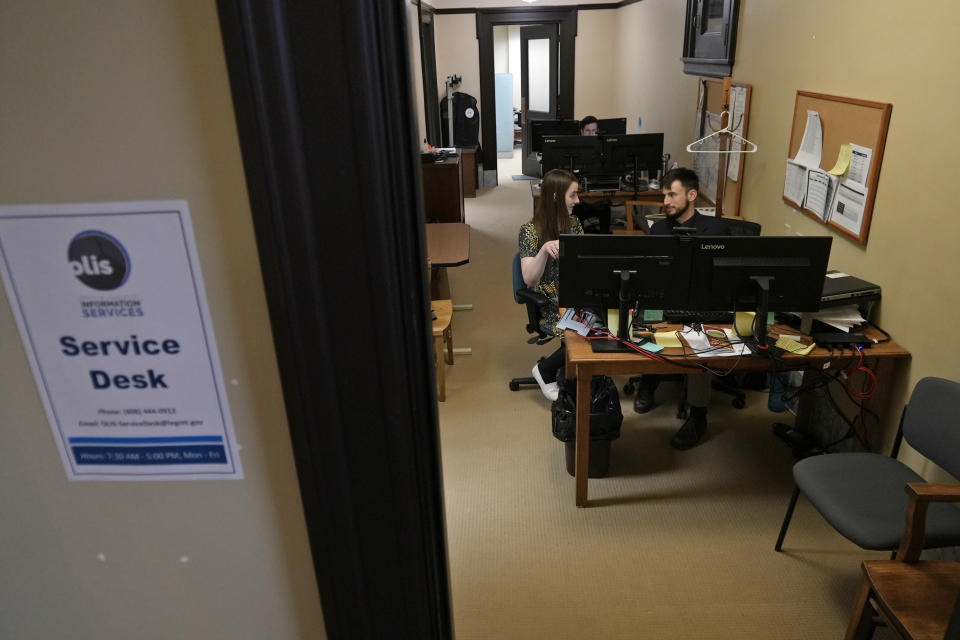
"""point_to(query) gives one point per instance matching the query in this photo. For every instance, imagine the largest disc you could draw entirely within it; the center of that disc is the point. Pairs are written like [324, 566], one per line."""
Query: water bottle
[778, 386]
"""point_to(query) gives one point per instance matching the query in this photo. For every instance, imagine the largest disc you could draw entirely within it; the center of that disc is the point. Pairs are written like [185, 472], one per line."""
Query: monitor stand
[623, 322]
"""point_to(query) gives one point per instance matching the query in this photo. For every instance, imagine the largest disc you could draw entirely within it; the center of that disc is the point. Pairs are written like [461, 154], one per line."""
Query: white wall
[117, 100]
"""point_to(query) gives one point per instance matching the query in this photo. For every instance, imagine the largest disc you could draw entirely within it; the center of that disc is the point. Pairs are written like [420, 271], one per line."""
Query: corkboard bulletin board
[844, 120]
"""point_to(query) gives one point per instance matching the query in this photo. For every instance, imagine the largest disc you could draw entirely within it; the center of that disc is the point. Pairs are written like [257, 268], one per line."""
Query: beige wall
[891, 53]
[416, 71]
[653, 85]
[597, 65]
[117, 100]
[458, 53]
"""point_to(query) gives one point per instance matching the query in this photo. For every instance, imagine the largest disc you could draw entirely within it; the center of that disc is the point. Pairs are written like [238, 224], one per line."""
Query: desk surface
[448, 243]
[579, 351]
[583, 363]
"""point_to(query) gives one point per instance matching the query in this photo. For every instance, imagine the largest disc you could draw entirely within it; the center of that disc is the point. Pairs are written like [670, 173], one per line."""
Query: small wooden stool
[442, 335]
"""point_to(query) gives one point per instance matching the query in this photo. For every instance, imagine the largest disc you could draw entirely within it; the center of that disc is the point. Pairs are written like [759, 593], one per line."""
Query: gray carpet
[677, 544]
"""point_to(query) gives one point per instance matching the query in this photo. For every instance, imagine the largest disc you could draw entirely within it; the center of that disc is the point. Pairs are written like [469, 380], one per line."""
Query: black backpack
[606, 416]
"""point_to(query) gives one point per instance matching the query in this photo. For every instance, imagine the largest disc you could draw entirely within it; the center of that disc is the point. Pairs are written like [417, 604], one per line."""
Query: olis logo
[98, 260]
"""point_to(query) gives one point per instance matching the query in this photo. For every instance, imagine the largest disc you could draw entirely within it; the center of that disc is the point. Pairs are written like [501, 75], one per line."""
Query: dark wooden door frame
[566, 20]
[428, 71]
[324, 109]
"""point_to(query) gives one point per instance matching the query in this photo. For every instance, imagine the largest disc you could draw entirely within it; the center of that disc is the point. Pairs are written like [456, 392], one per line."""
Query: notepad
[667, 339]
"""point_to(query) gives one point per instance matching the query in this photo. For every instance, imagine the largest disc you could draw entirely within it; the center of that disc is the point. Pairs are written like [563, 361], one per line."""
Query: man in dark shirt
[593, 216]
[680, 188]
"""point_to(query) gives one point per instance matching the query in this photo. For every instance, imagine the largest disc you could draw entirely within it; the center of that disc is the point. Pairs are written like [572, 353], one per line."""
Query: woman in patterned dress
[539, 248]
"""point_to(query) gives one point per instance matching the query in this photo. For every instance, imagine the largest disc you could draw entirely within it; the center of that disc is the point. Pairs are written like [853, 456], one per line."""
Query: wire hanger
[734, 137]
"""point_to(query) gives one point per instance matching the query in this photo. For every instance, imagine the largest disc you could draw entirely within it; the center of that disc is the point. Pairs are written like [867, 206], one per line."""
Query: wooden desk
[583, 363]
[626, 198]
[448, 245]
[443, 190]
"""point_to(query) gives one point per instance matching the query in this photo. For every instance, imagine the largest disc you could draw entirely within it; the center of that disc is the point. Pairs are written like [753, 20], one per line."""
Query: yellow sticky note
[843, 160]
[791, 345]
[667, 339]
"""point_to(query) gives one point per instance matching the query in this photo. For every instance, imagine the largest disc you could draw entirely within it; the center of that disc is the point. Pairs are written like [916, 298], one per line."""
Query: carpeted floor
[677, 544]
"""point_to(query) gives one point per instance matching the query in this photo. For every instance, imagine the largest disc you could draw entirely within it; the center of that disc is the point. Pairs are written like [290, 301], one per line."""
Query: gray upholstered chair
[862, 495]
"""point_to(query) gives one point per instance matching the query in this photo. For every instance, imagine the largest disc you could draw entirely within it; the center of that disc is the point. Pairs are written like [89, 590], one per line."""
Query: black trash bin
[606, 417]
[599, 457]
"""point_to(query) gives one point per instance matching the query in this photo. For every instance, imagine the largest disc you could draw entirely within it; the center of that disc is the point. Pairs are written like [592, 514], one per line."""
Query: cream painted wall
[416, 70]
[907, 58]
[458, 54]
[117, 100]
[653, 85]
[597, 65]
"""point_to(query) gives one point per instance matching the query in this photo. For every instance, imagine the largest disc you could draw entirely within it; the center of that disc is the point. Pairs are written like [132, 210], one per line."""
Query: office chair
[737, 227]
[914, 598]
[862, 495]
[535, 303]
[740, 227]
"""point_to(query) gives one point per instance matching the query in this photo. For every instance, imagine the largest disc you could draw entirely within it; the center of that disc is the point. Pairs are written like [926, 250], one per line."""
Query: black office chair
[740, 227]
[863, 495]
[737, 227]
[535, 303]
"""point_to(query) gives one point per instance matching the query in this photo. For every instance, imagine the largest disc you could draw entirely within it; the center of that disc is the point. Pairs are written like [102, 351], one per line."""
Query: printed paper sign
[110, 305]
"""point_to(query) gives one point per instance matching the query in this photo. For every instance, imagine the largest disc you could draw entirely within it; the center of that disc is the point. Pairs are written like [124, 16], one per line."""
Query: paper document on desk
[843, 318]
[699, 342]
[570, 320]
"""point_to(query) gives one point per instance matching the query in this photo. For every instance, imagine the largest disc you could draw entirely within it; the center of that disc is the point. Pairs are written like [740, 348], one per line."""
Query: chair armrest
[919, 496]
[530, 296]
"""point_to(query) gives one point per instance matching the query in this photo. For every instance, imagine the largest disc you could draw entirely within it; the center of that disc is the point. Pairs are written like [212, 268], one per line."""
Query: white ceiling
[497, 4]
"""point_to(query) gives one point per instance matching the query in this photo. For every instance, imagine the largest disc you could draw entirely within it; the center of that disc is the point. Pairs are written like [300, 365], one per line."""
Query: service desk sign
[113, 315]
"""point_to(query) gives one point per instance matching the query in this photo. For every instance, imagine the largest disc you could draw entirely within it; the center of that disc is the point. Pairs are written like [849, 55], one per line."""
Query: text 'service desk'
[583, 363]
[628, 198]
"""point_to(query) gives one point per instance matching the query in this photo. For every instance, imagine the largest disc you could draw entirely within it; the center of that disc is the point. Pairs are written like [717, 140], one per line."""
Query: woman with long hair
[539, 249]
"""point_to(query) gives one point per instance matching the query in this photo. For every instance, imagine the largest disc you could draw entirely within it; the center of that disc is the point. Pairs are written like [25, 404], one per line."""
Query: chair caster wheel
[628, 389]
[514, 386]
[738, 403]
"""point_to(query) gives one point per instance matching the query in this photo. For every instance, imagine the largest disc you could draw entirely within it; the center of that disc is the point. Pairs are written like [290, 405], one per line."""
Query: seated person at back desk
[680, 188]
[584, 211]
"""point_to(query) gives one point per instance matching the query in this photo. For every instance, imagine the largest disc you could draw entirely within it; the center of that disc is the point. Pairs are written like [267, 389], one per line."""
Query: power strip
[849, 339]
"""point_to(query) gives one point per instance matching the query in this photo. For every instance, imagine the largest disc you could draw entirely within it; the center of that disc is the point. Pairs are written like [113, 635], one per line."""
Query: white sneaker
[551, 390]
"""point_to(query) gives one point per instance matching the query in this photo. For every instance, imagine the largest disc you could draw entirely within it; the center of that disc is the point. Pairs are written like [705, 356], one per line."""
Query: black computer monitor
[623, 154]
[624, 271]
[758, 273]
[552, 128]
[611, 126]
[577, 154]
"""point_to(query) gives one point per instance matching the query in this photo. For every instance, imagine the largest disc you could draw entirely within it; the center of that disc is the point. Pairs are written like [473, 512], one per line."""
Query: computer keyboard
[687, 316]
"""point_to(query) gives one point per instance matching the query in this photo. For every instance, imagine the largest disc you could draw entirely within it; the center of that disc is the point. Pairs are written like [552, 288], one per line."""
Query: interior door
[538, 71]
[538, 83]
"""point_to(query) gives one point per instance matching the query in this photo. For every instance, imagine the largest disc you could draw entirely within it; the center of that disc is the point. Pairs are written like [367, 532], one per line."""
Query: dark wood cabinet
[443, 190]
[710, 37]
